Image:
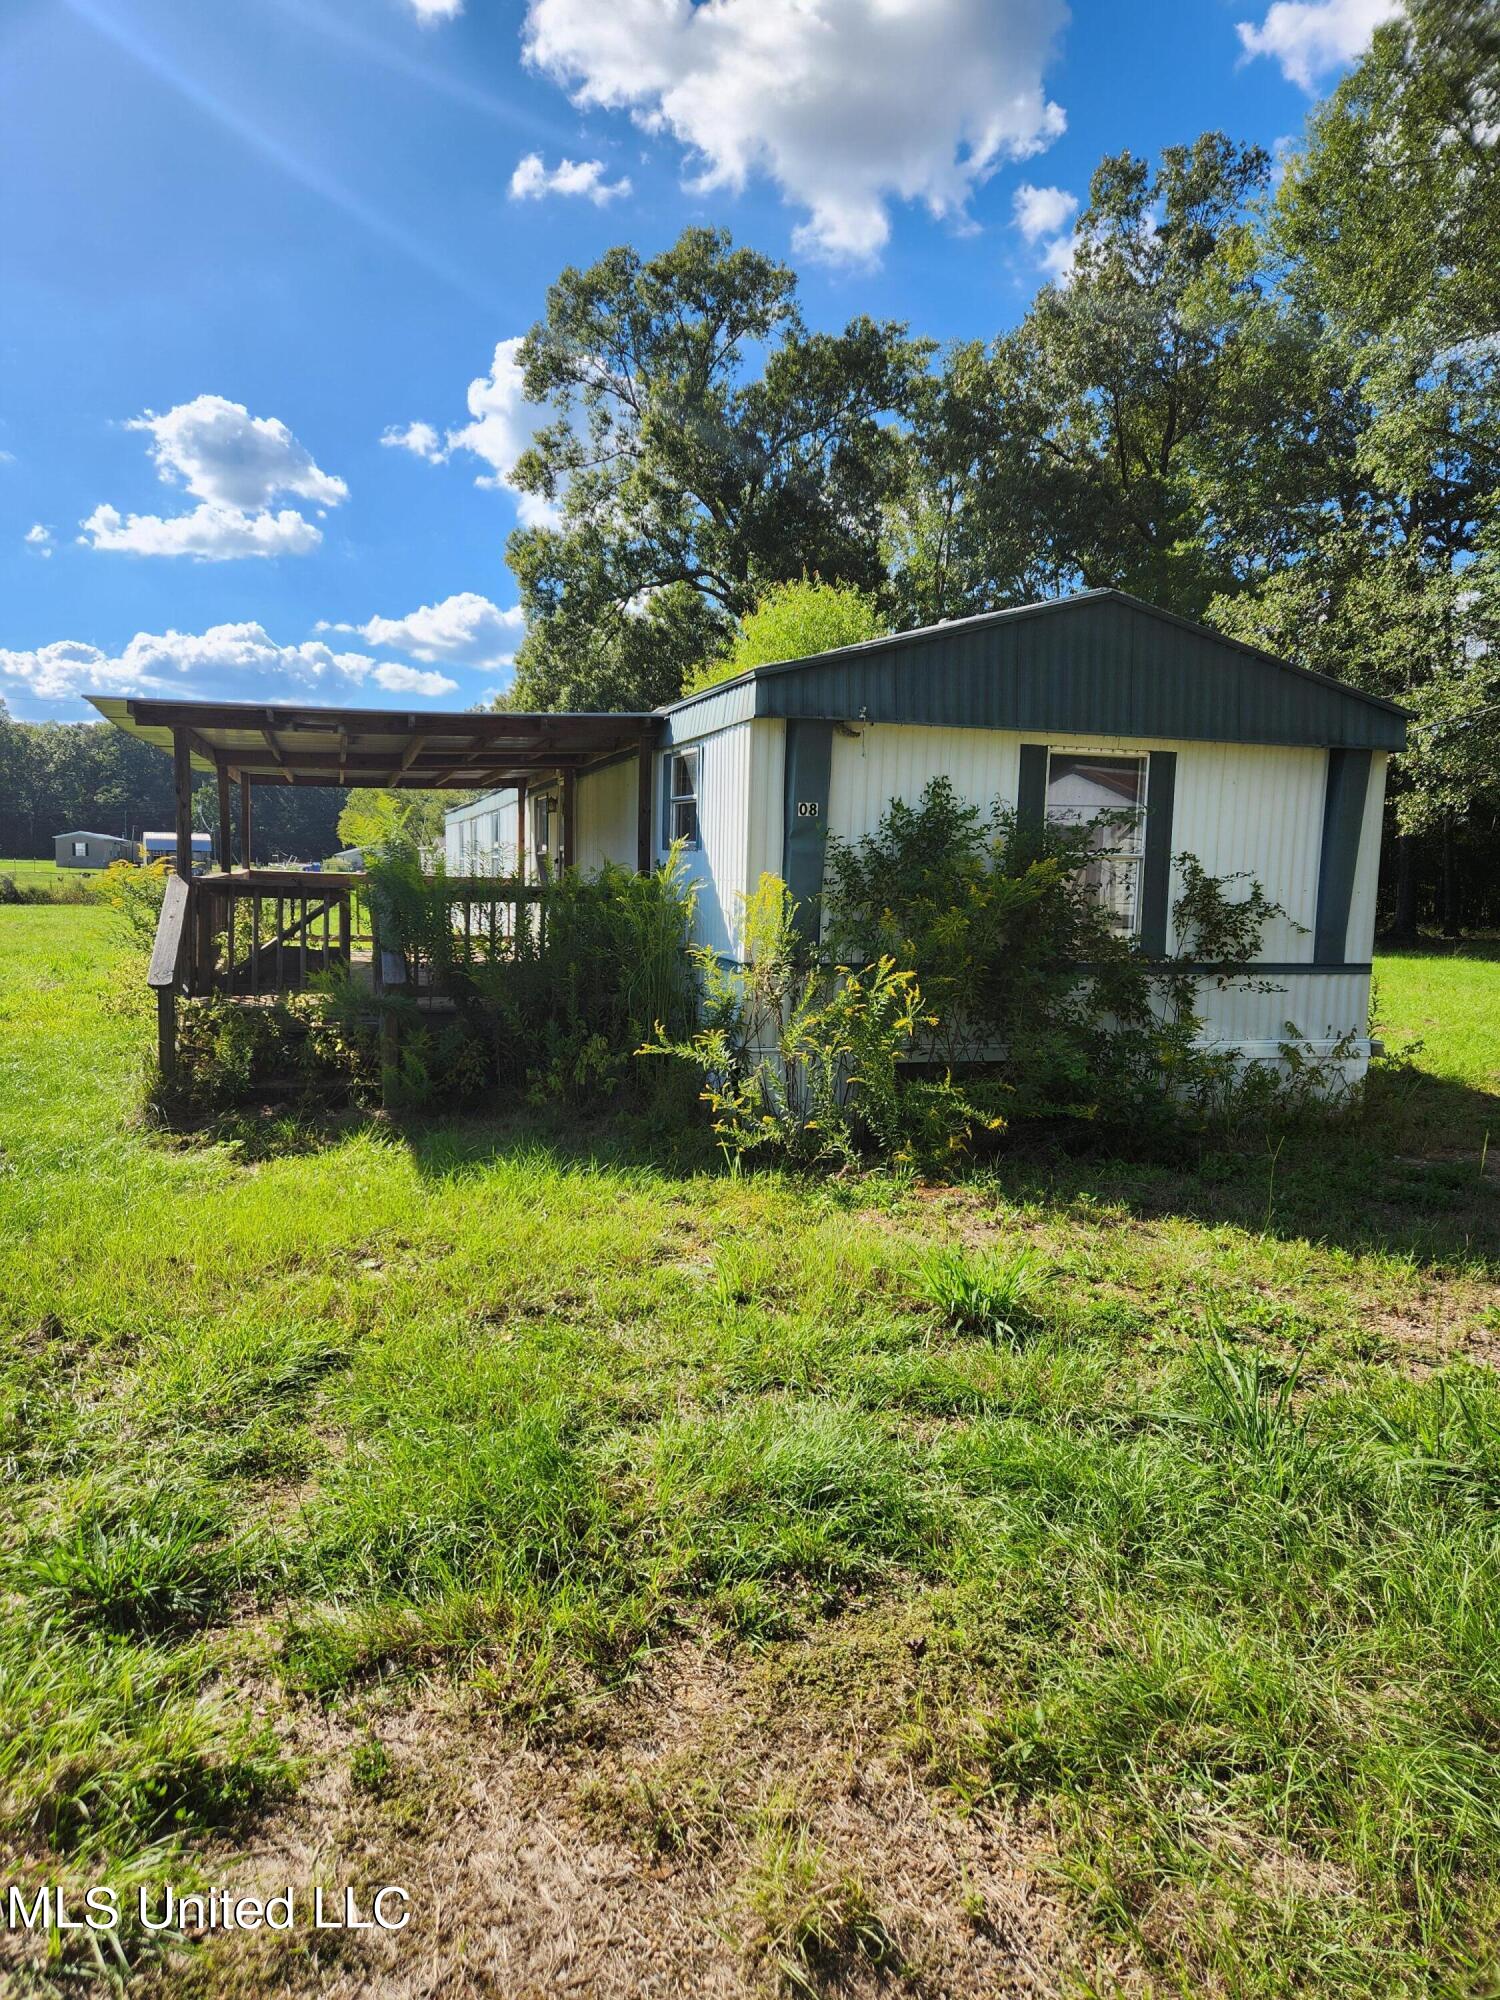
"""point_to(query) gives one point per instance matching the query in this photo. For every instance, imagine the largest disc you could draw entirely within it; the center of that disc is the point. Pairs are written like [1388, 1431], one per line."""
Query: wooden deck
[255, 935]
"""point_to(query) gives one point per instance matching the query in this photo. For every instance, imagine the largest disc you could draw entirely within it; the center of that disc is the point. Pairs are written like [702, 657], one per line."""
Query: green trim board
[809, 766]
[1156, 862]
[1031, 788]
[1101, 663]
[1343, 821]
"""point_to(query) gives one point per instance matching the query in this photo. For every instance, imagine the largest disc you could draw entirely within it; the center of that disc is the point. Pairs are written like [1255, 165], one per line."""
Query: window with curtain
[1107, 794]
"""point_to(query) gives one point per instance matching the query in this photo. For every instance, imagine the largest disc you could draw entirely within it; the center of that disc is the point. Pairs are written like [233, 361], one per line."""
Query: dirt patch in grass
[696, 1837]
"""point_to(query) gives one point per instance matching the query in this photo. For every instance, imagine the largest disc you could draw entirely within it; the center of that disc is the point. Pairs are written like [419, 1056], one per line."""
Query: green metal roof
[1101, 663]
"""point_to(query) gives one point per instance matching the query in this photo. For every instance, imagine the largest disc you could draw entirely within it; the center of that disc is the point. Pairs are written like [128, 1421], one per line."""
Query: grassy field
[46, 872]
[1084, 1579]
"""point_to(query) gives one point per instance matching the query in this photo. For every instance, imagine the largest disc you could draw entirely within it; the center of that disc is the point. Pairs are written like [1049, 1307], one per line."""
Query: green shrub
[135, 896]
[806, 1065]
[311, 1048]
[557, 1010]
[1024, 976]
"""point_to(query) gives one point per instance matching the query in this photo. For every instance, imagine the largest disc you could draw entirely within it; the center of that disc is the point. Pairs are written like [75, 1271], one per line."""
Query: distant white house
[1093, 704]
[92, 850]
[163, 847]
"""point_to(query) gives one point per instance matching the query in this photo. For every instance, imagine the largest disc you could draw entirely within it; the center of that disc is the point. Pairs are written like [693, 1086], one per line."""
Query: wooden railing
[471, 921]
[168, 971]
[273, 931]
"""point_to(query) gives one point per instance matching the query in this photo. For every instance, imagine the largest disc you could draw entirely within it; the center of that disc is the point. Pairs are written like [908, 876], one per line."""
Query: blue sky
[260, 261]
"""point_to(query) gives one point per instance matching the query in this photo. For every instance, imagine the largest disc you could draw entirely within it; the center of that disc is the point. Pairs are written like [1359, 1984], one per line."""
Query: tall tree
[703, 446]
[1066, 455]
[1379, 271]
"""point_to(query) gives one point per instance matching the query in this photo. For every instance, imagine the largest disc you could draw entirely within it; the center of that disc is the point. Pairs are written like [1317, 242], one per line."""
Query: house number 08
[807, 808]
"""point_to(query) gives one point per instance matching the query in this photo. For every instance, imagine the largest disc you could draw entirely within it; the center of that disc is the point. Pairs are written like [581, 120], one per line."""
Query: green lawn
[29, 870]
[1450, 1002]
[1084, 1579]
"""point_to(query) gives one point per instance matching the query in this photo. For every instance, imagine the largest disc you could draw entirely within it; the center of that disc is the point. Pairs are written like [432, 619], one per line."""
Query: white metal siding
[1360, 939]
[886, 761]
[605, 804]
[1244, 808]
[718, 864]
[1318, 1006]
[766, 843]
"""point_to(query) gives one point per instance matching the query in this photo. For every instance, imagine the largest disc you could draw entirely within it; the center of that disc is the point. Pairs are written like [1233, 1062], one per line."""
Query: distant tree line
[56, 777]
[1265, 398]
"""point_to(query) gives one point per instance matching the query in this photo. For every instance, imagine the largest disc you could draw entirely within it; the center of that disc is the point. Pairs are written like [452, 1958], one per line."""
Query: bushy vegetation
[969, 980]
[1145, 1515]
[790, 621]
[558, 1007]
[1023, 973]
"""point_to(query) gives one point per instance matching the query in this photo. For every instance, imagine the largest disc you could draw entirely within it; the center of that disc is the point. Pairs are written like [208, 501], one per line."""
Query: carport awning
[283, 744]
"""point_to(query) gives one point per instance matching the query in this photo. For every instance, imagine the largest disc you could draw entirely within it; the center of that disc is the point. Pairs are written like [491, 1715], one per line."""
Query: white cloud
[210, 533]
[1044, 216]
[411, 680]
[421, 440]
[1059, 256]
[1043, 211]
[428, 11]
[220, 453]
[39, 538]
[533, 179]
[845, 104]
[1310, 38]
[501, 425]
[466, 629]
[234, 465]
[232, 661]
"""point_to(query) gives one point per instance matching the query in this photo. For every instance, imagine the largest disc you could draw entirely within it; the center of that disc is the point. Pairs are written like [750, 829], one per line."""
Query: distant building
[163, 847]
[92, 850]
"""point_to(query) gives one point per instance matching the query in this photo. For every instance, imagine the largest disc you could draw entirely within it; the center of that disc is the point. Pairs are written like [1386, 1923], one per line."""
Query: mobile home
[1092, 703]
[92, 850]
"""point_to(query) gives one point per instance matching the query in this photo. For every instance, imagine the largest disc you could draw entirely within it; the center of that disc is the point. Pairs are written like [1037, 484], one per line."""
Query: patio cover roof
[295, 745]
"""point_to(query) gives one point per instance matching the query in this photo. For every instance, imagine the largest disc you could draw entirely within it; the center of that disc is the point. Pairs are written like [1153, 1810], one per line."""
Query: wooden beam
[226, 830]
[273, 746]
[182, 790]
[247, 852]
[644, 844]
[520, 833]
[409, 756]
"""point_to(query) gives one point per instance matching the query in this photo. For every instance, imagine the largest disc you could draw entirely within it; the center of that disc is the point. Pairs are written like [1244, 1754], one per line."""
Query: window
[680, 797]
[1108, 794]
[80, 850]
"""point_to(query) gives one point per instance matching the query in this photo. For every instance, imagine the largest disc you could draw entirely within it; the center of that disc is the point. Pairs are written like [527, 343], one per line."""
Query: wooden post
[226, 830]
[569, 855]
[245, 848]
[644, 845]
[182, 785]
[520, 833]
[166, 1032]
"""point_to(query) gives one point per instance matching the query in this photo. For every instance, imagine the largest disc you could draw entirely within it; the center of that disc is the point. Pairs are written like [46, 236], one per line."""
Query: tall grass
[1086, 1494]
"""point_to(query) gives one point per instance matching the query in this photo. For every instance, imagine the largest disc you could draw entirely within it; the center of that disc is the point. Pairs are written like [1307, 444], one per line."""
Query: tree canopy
[1270, 403]
[791, 621]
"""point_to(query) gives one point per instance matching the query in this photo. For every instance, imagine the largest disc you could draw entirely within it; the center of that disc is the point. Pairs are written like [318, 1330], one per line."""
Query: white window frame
[1134, 854]
[80, 850]
[692, 755]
